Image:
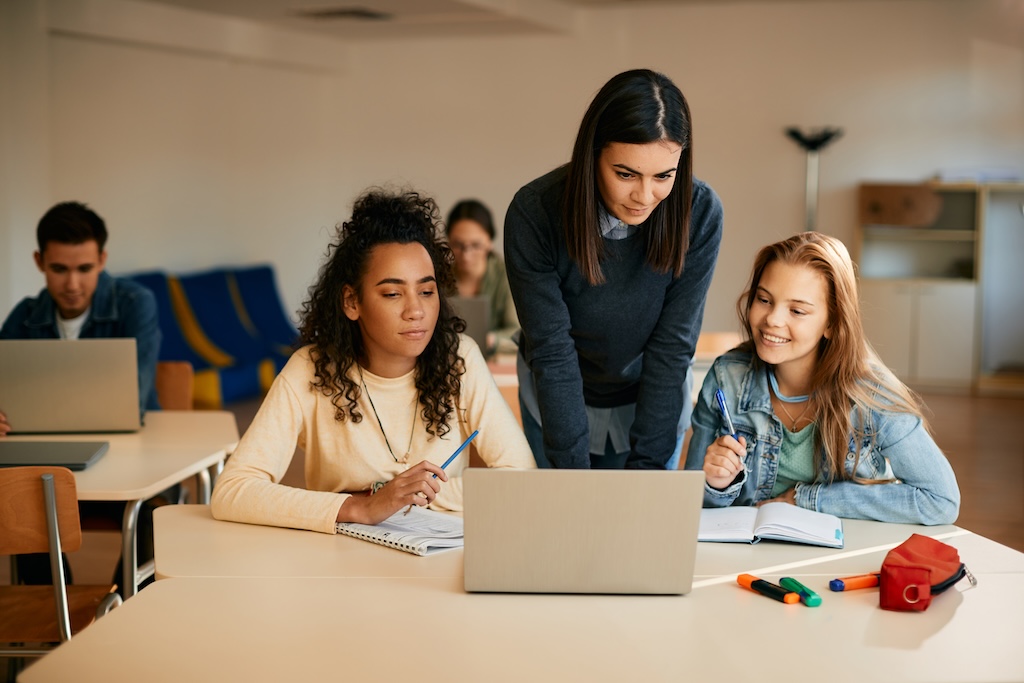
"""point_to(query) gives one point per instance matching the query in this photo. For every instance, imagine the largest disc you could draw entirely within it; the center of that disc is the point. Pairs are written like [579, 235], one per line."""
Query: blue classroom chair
[260, 298]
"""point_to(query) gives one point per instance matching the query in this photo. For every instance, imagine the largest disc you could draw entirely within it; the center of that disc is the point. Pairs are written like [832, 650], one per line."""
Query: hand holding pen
[723, 459]
[446, 463]
[422, 481]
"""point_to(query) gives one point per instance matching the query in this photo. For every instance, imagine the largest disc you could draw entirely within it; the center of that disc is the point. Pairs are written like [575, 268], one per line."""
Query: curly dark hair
[382, 217]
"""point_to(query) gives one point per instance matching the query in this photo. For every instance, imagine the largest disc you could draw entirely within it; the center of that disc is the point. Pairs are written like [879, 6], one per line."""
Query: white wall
[199, 158]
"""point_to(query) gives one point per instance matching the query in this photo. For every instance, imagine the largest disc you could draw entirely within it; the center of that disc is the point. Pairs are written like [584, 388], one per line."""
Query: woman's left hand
[788, 496]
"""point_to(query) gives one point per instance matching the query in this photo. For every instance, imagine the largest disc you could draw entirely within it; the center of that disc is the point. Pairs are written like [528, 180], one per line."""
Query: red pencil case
[916, 570]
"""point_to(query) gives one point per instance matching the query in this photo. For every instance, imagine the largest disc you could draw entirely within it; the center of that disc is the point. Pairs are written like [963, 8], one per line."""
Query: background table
[170, 448]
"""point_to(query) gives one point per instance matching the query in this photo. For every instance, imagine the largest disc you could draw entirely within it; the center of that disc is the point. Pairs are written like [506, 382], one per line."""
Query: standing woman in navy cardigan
[609, 260]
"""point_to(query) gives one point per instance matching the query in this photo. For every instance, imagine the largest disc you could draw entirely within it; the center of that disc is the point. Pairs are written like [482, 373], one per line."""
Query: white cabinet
[924, 330]
[1002, 288]
[942, 281]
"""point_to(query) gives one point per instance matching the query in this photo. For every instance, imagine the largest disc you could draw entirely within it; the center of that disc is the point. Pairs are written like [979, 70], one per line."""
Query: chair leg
[108, 603]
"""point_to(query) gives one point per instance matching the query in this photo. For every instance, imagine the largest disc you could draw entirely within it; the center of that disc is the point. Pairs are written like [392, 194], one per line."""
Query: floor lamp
[812, 143]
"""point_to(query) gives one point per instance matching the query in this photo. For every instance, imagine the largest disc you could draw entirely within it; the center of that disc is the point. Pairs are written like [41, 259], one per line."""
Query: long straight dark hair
[634, 107]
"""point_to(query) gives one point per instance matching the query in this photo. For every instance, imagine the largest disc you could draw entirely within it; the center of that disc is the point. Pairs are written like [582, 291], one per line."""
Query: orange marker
[851, 583]
[767, 589]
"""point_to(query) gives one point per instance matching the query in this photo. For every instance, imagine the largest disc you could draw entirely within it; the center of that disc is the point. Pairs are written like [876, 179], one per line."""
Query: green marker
[807, 596]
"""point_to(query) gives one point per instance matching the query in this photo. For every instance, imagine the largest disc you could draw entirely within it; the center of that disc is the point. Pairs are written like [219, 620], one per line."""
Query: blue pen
[451, 458]
[720, 398]
[459, 450]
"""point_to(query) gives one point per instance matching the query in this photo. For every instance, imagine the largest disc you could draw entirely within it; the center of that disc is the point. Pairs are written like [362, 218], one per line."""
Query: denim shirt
[120, 308]
[895, 446]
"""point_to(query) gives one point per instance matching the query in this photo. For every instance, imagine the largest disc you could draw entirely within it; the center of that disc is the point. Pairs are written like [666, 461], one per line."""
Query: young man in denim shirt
[81, 301]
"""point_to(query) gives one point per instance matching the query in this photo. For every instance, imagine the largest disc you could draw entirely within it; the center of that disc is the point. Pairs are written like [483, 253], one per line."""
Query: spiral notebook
[421, 532]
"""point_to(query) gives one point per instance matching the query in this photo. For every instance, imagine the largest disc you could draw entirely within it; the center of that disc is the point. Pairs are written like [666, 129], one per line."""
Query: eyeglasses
[468, 247]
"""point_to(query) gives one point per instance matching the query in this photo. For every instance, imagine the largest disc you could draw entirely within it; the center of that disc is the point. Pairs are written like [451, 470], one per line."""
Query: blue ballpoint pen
[451, 458]
[459, 450]
[720, 398]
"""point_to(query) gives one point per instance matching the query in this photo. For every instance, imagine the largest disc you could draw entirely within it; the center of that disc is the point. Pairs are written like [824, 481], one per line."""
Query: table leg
[129, 548]
[203, 486]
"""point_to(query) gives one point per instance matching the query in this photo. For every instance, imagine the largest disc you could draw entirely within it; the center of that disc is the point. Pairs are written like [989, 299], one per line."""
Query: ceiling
[354, 20]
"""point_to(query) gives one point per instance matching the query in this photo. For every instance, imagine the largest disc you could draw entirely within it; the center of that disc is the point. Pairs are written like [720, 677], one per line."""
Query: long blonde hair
[848, 373]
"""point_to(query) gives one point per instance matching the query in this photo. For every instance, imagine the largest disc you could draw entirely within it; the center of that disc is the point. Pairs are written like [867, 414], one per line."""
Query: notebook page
[420, 531]
[727, 524]
[789, 522]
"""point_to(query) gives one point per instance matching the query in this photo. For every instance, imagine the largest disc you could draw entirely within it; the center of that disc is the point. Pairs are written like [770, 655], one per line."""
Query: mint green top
[796, 458]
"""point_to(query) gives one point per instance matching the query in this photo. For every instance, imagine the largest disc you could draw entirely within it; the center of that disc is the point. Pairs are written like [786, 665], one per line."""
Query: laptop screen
[50, 386]
[476, 311]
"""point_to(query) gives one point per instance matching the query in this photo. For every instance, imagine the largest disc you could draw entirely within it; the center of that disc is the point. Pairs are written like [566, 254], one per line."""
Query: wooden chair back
[23, 526]
[33, 619]
[175, 384]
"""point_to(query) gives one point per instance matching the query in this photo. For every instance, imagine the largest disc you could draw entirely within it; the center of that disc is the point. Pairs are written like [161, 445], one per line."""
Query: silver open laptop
[476, 311]
[50, 386]
[581, 531]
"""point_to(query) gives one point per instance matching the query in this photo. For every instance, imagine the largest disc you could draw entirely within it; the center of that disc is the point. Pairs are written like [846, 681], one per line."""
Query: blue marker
[720, 398]
[459, 450]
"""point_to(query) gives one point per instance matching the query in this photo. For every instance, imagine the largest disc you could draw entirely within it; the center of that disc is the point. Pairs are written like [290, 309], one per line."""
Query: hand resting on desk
[5, 426]
[418, 485]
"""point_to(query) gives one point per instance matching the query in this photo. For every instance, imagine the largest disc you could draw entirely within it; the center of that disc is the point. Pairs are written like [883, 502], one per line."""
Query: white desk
[397, 629]
[191, 543]
[173, 446]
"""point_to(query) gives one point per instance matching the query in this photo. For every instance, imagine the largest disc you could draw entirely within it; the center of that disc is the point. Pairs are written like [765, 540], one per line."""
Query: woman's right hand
[416, 486]
[723, 461]
[5, 426]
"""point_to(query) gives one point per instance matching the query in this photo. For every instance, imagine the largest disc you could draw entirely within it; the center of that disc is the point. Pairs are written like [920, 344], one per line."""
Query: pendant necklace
[783, 400]
[412, 428]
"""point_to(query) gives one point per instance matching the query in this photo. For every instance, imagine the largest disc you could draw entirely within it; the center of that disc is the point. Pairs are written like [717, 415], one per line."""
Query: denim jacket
[895, 446]
[120, 308]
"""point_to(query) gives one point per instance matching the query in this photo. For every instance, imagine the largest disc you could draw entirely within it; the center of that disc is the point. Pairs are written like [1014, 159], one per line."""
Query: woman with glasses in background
[481, 272]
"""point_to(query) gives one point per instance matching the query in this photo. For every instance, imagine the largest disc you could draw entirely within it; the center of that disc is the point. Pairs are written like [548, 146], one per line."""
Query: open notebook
[774, 521]
[421, 532]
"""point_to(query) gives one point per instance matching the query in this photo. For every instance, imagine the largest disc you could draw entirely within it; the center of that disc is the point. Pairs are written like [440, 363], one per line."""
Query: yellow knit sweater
[347, 456]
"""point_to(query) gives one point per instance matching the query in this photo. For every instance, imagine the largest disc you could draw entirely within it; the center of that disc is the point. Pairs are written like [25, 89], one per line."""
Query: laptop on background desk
[581, 531]
[53, 386]
[476, 311]
[75, 455]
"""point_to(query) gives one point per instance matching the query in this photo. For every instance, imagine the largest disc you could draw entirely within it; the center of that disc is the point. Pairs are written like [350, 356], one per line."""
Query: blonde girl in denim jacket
[819, 421]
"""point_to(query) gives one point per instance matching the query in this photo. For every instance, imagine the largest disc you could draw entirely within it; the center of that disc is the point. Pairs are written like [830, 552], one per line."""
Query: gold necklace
[794, 421]
[412, 427]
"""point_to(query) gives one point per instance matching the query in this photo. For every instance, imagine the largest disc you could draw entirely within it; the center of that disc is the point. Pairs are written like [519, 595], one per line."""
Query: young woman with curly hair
[384, 389]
